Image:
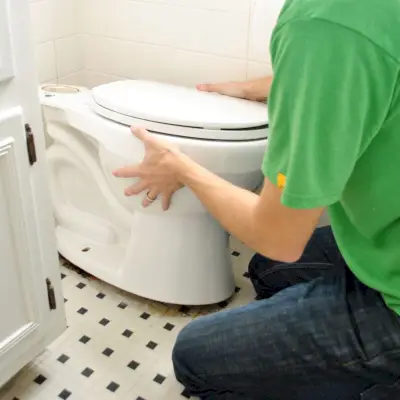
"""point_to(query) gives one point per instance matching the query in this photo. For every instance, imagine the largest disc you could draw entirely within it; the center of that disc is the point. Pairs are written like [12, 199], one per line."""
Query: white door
[31, 305]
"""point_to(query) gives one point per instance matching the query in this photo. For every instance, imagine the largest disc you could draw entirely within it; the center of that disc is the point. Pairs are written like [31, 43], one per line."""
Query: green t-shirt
[334, 110]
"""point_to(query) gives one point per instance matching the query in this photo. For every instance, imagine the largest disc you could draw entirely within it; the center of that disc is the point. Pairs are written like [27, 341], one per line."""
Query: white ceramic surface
[178, 105]
[179, 256]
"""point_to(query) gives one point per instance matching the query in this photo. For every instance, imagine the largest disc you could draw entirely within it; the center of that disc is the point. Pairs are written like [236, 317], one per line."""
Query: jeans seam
[303, 266]
[360, 360]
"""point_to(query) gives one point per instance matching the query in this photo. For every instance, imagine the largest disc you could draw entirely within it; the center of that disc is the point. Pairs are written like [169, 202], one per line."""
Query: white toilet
[180, 256]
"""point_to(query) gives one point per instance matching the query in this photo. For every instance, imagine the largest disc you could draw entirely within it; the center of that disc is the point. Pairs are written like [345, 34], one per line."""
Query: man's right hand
[256, 90]
[232, 89]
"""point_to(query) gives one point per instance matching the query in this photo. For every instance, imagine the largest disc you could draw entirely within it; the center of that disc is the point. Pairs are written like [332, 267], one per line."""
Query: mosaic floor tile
[117, 346]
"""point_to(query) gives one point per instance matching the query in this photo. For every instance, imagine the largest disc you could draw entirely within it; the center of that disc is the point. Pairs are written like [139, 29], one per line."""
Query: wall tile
[42, 16]
[220, 5]
[65, 15]
[93, 15]
[263, 20]
[258, 70]
[198, 30]
[180, 41]
[76, 79]
[142, 61]
[69, 55]
[46, 62]
[93, 78]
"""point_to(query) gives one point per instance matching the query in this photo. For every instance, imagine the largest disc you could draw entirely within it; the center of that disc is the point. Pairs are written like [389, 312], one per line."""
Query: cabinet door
[31, 306]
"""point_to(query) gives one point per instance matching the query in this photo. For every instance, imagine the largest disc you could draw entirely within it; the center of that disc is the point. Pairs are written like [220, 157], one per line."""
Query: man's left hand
[156, 172]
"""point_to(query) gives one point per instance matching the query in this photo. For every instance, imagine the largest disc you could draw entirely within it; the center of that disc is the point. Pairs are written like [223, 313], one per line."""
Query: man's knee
[257, 268]
[178, 359]
[256, 262]
[181, 353]
[199, 350]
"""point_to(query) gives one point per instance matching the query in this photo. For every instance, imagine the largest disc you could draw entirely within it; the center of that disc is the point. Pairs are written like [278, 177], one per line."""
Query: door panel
[21, 290]
[29, 269]
[6, 56]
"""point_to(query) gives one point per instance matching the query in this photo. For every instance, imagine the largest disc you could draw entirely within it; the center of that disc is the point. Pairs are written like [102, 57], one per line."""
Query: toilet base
[191, 267]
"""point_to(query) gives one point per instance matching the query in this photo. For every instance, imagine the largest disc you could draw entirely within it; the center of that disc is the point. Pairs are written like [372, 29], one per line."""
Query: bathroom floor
[117, 346]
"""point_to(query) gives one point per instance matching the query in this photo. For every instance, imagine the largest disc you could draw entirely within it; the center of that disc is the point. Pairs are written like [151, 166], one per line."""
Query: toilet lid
[181, 111]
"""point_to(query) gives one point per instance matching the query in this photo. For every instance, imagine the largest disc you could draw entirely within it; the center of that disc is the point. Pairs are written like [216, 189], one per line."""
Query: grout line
[53, 39]
[72, 74]
[56, 59]
[156, 3]
[104, 73]
[249, 36]
[167, 47]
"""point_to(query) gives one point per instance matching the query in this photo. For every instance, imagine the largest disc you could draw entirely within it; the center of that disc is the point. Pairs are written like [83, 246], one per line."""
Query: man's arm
[318, 129]
[256, 89]
[261, 222]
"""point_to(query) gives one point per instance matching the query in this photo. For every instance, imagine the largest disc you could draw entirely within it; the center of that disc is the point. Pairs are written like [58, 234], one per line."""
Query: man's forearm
[232, 206]
[261, 222]
[257, 89]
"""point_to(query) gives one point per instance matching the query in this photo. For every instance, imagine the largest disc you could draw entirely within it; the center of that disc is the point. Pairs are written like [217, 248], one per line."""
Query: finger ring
[151, 199]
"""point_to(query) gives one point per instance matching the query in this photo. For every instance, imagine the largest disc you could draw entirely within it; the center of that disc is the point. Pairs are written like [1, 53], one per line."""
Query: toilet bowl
[179, 256]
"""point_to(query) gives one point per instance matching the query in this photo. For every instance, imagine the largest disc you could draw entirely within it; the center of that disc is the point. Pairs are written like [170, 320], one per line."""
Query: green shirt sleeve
[328, 100]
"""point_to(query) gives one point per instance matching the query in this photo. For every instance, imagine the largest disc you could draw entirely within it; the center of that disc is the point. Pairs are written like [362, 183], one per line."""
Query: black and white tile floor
[117, 346]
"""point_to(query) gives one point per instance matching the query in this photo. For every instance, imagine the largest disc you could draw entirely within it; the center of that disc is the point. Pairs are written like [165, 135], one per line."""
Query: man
[327, 324]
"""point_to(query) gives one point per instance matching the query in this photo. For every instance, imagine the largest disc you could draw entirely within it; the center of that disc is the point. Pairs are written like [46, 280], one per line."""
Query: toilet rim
[186, 132]
[182, 112]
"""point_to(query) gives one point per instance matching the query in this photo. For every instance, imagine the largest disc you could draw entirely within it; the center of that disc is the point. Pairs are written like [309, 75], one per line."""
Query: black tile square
[237, 289]
[65, 300]
[100, 296]
[113, 387]
[84, 339]
[63, 358]
[185, 394]
[63, 275]
[104, 322]
[159, 379]
[127, 333]
[235, 254]
[169, 327]
[82, 311]
[64, 394]
[133, 365]
[151, 345]
[246, 275]
[87, 372]
[107, 352]
[145, 316]
[81, 285]
[40, 379]
[122, 305]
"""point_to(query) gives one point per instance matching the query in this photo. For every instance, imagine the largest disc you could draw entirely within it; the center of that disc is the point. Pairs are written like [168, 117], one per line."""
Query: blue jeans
[316, 333]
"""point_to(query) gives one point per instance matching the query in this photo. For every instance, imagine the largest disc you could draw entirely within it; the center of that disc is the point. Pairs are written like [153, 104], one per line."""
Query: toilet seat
[179, 111]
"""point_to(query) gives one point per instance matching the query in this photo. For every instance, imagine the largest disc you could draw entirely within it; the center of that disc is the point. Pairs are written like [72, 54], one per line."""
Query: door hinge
[30, 143]
[51, 295]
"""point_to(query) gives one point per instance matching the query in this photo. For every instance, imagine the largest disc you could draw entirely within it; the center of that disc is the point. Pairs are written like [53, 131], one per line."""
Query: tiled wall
[180, 41]
[58, 42]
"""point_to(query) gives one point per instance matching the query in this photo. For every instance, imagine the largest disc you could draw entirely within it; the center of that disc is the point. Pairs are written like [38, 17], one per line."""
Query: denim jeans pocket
[382, 392]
